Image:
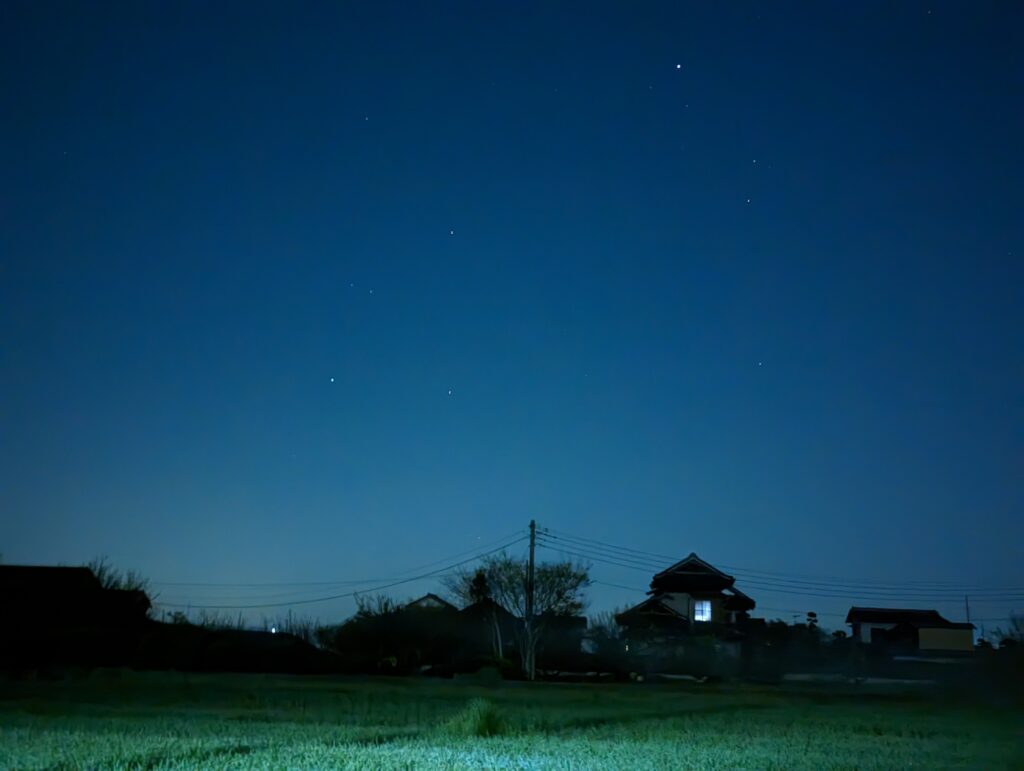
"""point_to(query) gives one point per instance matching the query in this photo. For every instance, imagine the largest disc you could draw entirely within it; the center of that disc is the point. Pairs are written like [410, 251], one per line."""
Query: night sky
[332, 291]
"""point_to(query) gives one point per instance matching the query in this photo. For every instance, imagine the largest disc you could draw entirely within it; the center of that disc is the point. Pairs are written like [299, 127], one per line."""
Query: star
[748, 200]
[759, 363]
[332, 379]
[754, 161]
[449, 392]
[451, 232]
[679, 66]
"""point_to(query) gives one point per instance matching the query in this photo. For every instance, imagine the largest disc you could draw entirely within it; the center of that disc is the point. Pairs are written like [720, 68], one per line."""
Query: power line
[344, 582]
[347, 594]
[938, 586]
[606, 554]
[822, 592]
[617, 586]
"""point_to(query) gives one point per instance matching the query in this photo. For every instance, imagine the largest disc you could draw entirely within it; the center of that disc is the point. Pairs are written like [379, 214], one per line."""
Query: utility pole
[529, 573]
[531, 631]
[967, 607]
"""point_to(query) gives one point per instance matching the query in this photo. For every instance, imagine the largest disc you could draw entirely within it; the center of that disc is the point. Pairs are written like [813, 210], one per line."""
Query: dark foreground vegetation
[118, 719]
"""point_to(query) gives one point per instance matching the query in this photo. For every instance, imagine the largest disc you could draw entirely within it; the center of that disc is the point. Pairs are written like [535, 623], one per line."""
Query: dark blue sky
[765, 305]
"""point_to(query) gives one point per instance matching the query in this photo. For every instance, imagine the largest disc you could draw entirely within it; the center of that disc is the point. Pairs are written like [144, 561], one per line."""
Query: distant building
[44, 597]
[489, 628]
[484, 628]
[63, 616]
[690, 597]
[430, 601]
[909, 629]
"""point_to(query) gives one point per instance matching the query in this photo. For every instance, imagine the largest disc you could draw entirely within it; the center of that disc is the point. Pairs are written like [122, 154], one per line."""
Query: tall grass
[479, 718]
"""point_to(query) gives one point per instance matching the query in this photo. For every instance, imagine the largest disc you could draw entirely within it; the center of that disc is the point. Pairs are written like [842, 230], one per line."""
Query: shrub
[479, 718]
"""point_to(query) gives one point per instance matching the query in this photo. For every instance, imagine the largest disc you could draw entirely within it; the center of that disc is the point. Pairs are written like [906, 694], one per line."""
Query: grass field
[125, 720]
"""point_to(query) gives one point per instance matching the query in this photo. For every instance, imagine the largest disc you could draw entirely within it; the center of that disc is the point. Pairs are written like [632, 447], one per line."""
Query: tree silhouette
[557, 588]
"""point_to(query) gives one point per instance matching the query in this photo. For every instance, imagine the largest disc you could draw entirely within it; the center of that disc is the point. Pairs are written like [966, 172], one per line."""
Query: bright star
[679, 66]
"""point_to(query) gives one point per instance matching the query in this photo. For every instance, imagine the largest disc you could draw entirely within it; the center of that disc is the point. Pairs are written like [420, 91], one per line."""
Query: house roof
[486, 605]
[691, 574]
[736, 600]
[652, 606]
[39, 580]
[430, 601]
[558, 623]
[32, 592]
[914, 617]
[692, 564]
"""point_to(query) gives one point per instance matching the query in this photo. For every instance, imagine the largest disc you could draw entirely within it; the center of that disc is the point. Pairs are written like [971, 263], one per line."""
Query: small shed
[914, 628]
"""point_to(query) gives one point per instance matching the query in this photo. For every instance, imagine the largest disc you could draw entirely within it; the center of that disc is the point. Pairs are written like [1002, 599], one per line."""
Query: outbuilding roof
[915, 617]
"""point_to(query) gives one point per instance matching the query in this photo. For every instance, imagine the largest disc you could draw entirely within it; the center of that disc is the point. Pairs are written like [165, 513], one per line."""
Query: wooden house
[690, 597]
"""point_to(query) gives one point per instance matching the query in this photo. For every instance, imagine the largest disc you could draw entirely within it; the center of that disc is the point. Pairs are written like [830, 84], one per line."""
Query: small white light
[273, 630]
[679, 66]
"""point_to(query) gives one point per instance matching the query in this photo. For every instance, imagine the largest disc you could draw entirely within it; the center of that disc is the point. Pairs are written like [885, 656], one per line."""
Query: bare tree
[477, 592]
[1014, 634]
[302, 627]
[558, 591]
[375, 605]
[112, 578]
[217, 620]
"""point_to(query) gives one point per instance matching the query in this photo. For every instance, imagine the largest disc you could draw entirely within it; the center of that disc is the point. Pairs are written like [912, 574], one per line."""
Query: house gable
[691, 575]
[429, 601]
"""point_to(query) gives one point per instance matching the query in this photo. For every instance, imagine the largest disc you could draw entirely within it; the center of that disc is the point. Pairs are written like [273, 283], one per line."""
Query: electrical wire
[602, 546]
[344, 582]
[823, 592]
[605, 554]
[348, 594]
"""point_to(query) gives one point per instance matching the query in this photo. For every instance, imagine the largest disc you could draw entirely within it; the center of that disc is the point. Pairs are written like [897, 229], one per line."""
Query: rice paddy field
[128, 720]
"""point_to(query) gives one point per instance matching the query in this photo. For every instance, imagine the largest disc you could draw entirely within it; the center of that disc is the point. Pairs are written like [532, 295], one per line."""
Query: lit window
[702, 610]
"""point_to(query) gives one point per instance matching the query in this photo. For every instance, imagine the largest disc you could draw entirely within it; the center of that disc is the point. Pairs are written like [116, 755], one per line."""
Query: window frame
[702, 611]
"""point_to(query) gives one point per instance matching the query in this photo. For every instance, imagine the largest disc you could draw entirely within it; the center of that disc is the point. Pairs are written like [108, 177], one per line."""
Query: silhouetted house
[430, 601]
[44, 597]
[488, 625]
[561, 640]
[690, 597]
[61, 616]
[909, 629]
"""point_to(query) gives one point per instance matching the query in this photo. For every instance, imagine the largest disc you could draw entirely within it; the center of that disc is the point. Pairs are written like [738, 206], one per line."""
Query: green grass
[124, 720]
